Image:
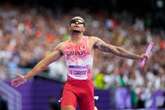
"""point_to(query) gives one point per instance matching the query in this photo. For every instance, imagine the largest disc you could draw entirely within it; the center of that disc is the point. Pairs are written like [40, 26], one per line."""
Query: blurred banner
[11, 97]
[43, 94]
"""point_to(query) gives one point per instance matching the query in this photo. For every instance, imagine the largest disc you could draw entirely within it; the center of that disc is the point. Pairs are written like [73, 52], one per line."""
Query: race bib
[78, 72]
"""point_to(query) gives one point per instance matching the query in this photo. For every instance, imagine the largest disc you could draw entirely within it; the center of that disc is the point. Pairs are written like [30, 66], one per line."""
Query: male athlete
[78, 52]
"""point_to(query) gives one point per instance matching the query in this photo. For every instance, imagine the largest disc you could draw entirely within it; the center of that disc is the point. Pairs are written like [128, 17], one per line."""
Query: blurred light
[160, 3]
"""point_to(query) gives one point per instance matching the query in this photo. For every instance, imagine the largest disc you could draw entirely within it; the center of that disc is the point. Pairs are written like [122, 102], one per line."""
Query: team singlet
[78, 59]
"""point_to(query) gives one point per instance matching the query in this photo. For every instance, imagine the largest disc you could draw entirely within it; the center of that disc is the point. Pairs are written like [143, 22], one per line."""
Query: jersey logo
[78, 50]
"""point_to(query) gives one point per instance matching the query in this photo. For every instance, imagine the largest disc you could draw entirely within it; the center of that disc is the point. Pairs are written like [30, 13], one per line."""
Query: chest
[79, 49]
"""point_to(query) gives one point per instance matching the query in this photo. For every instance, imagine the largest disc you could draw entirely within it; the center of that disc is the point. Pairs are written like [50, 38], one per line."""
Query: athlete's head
[77, 24]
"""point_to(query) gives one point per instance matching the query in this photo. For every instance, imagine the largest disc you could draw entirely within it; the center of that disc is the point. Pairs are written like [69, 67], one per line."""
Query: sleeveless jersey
[78, 59]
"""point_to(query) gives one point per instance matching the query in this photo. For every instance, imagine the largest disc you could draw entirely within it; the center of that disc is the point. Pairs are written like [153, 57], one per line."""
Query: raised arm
[56, 54]
[119, 51]
[44, 63]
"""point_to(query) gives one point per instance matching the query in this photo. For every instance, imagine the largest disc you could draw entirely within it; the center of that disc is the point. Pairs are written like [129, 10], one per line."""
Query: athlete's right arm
[44, 63]
[56, 54]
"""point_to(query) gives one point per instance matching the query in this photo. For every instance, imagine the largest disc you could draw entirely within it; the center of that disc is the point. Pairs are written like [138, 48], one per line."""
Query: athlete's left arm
[119, 51]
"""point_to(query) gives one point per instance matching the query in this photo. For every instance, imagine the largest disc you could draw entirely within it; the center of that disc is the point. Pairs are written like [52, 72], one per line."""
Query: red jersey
[78, 59]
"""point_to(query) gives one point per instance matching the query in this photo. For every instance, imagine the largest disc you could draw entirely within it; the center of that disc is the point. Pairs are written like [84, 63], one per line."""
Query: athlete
[78, 52]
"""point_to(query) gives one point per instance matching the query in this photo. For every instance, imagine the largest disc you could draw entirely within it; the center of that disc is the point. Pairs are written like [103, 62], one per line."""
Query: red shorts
[78, 92]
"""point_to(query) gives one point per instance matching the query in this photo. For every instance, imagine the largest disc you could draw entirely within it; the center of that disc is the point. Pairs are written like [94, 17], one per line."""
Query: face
[77, 25]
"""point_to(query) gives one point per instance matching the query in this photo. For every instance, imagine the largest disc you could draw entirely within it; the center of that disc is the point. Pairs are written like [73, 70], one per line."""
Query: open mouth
[76, 31]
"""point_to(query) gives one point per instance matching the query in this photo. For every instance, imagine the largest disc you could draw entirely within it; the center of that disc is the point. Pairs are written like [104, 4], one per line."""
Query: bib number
[78, 72]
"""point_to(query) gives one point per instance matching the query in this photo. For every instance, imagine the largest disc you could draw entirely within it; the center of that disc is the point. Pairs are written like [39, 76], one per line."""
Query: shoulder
[61, 46]
[94, 41]
[94, 38]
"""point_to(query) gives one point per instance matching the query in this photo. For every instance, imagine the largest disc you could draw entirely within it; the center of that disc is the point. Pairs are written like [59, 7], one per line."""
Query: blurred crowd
[28, 34]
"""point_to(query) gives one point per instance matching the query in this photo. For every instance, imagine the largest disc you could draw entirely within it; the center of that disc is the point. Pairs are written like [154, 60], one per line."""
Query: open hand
[18, 81]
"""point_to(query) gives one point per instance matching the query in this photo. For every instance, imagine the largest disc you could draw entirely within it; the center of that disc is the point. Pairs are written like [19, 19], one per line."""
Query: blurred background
[30, 29]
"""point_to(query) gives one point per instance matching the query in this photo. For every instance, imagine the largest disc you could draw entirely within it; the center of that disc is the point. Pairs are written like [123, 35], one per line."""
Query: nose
[76, 22]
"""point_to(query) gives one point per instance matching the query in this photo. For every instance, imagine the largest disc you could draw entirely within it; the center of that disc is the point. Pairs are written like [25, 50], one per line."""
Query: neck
[76, 36]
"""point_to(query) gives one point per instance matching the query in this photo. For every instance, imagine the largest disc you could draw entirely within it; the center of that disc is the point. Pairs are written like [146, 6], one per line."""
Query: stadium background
[29, 29]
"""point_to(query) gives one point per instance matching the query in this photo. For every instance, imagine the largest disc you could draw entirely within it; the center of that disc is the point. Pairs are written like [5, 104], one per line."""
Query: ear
[84, 29]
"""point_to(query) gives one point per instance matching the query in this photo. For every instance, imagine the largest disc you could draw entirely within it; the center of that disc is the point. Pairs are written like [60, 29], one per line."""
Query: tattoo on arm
[101, 45]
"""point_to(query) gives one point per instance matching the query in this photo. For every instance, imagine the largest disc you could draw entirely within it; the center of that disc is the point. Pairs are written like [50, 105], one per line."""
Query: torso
[79, 58]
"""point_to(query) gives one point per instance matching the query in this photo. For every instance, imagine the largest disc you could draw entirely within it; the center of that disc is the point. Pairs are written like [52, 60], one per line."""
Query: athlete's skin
[76, 30]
